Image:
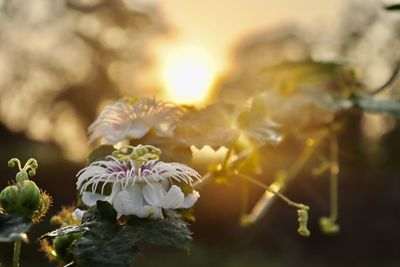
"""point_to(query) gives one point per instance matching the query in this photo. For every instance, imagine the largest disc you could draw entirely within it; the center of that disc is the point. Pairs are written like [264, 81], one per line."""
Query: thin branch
[391, 79]
[277, 193]
[242, 156]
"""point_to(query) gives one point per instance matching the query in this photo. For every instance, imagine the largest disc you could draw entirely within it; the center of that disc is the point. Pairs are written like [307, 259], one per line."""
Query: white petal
[78, 214]
[123, 204]
[173, 199]
[137, 129]
[136, 196]
[90, 199]
[148, 211]
[156, 213]
[153, 193]
[115, 190]
[190, 199]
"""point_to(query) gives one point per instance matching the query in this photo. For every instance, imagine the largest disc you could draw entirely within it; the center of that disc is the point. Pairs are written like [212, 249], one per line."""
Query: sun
[187, 75]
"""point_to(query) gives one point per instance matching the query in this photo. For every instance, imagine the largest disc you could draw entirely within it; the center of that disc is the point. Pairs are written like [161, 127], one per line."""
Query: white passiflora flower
[133, 118]
[137, 188]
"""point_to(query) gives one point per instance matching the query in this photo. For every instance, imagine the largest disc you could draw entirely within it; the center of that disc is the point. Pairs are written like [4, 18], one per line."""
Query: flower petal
[123, 204]
[137, 129]
[190, 199]
[153, 193]
[78, 214]
[90, 199]
[173, 199]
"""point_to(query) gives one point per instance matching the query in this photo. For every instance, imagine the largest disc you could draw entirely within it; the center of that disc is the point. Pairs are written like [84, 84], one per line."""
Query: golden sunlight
[187, 75]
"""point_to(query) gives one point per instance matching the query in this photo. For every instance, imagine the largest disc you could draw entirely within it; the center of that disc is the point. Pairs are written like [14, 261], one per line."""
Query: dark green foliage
[167, 232]
[13, 226]
[105, 242]
[67, 230]
[63, 246]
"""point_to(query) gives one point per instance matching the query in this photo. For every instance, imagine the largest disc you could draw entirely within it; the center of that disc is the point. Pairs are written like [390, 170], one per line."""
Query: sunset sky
[205, 31]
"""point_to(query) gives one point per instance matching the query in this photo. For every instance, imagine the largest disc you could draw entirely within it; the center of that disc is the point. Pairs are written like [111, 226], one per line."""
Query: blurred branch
[391, 79]
[275, 192]
[333, 178]
[263, 204]
[395, 7]
[226, 164]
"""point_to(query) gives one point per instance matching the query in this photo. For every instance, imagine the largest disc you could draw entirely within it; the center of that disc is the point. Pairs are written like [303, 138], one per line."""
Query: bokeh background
[62, 61]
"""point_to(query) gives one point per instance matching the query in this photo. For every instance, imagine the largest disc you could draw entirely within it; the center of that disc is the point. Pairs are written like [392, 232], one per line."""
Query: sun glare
[187, 76]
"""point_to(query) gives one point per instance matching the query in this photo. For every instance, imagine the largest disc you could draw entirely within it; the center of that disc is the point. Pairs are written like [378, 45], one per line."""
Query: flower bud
[22, 176]
[62, 246]
[302, 215]
[29, 197]
[328, 226]
[8, 198]
[21, 199]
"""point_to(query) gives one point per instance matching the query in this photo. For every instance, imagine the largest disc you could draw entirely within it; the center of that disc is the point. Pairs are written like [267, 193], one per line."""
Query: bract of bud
[8, 198]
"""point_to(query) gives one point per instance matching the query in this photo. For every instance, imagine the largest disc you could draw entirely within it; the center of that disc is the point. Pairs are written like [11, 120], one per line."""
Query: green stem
[333, 178]
[17, 252]
[226, 158]
[278, 194]
[226, 164]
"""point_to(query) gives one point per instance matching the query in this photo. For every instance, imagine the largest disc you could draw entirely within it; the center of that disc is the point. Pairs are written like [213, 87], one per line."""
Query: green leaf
[167, 232]
[104, 244]
[72, 229]
[304, 71]
[395, 7]
[13, 227]
[100, 153]
[107, 243]
[256, 125]
[213, 126]
[102, 211]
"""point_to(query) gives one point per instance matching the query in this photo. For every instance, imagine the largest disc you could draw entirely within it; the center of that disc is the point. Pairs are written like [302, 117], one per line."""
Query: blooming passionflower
[133, 118]
[140, 185]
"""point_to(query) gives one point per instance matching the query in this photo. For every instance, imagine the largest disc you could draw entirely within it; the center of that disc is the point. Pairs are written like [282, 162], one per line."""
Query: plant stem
[333, 178]
[226, 164]
[277, 193]
[17, 252]
[226, 158]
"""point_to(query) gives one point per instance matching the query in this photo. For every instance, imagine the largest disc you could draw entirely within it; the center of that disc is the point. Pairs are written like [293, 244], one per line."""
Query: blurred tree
[60, 59]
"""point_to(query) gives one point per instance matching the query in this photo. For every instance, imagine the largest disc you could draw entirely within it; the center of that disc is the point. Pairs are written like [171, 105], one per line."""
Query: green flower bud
[328, 226]
[62, 246]
[29, 198]
[8, 198]
[302, 215]
[22, 199]
[22, 176]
